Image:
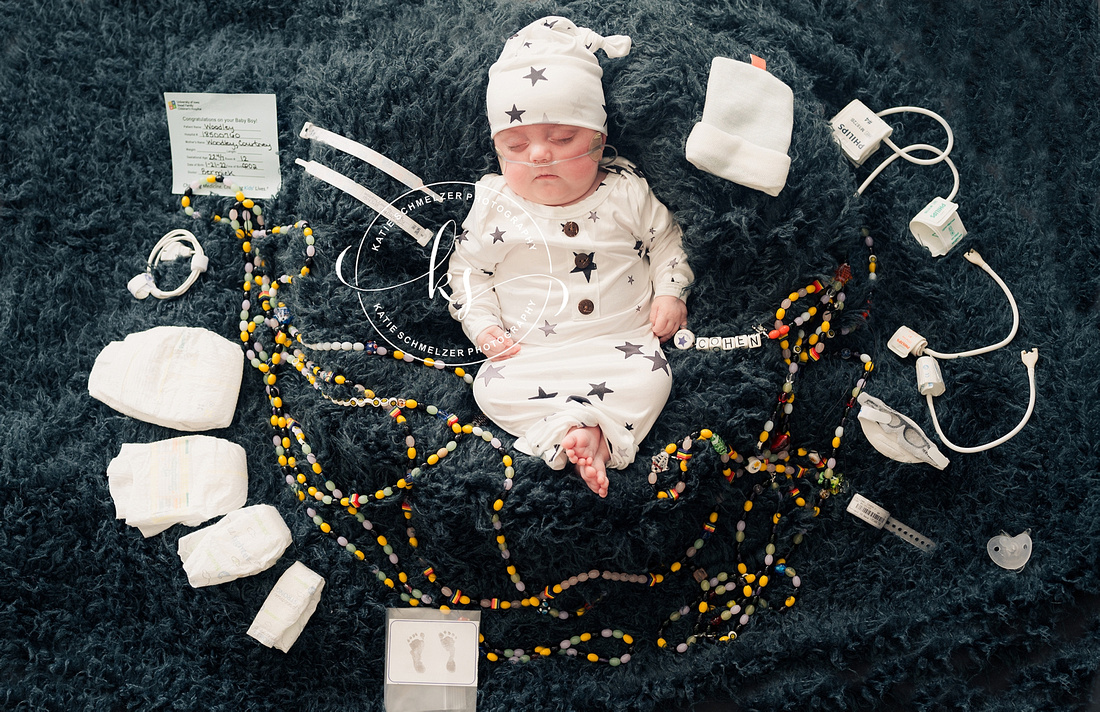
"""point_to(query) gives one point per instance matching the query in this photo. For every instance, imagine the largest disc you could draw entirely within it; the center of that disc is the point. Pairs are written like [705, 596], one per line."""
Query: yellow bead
[871, 268]
[793, 296]
[748, 505]
[301, 495]
[789, 602]
[339, 380]
[585, 637]
[747, 591]
[675, 566]
[317, 468]
[413, 542]
[211, 179]
[780, 313]
[246, 246]
[270, 379]
[325, 527]
[360, 555]
[460, 372]
[239, 196]
[741, 569]
[775, 518]
[658, 578]
[713, 517]
[414, 602]
[505, 605]
[304, 271]
[381, 540]
[836, 442]
[825, 326]
[465, 600]
[507, 461]
[247, 203]
[308, 231]
[399, 355]
[185, 201]
[511, 570]
[412, 453]
[592, 657]
[763, 435]
[301, 479]
[800, 502]
[498, 505]
[433, 458]
[389, 582]
[557, 588]
[410, 403]
[670, 448]
[661, 643]
[705, 434]
[379, 495]
[662, 495]
[750, 578]
[491, 657]
[703, 606]
[763, 581]
[628, 639]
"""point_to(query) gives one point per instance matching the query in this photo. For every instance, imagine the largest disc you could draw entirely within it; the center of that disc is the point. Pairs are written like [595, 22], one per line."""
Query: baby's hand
[495, 343]
[667, 315]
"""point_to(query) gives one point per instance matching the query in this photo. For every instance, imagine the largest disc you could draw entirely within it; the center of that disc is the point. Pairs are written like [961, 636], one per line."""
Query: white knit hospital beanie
[548, 74]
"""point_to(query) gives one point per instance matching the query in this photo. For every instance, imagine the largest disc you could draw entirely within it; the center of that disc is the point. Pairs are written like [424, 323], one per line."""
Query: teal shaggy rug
[93, 616]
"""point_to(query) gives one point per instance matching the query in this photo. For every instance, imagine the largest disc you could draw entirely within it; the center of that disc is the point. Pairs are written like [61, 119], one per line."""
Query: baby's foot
[416, 646]
[587, 449]
[447, 638]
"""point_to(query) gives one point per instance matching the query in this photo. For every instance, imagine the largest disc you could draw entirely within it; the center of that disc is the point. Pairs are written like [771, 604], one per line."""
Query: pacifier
[1010, 552]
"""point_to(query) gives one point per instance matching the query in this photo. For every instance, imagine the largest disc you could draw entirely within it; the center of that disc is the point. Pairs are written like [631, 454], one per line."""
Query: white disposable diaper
[181, 377]
[185, 480]
[242, 543]
[288, 607]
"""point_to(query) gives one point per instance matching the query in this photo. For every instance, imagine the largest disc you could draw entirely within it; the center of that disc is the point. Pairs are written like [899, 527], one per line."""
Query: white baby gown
[574, 286]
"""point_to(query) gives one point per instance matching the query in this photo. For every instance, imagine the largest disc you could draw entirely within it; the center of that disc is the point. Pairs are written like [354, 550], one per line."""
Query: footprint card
[431, 652]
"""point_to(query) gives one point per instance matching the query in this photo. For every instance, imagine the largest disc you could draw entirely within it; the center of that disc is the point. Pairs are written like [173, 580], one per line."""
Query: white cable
[1029, 358]
[904, 153]
[143, 285]
[941, 155]
[973, 257]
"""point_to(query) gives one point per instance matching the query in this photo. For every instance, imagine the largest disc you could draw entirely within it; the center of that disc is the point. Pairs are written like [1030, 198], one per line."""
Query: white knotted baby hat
[746, 127]
[548, 74]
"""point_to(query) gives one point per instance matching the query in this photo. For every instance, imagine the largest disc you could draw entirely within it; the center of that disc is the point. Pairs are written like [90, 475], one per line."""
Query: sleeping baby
[568, 272]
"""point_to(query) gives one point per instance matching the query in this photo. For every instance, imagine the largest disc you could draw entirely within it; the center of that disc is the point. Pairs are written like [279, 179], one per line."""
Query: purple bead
[310, 250]
[341, 541]
[393, 558]
[381, 351]
[275, 440]
[606, 632]
[311, 512]
[741, 525]
[521, 586]
[682, 648]
[744, 619]
[624, 658]
[367, 525]
[495, 442]
[505, 554]
[290, 479]
[337, 494]
[507, 485]
[564, 645]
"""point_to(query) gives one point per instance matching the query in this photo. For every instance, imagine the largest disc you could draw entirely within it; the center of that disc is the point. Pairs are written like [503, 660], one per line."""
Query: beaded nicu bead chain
[330, 507]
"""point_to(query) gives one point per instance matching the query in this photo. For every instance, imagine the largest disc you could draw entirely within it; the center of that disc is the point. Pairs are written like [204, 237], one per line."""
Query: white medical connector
[170, 247]
[929, 377]
[859, 131]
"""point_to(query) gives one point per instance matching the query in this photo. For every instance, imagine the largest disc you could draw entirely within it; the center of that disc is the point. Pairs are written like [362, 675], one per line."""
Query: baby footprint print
[416, 646]
[447, 638]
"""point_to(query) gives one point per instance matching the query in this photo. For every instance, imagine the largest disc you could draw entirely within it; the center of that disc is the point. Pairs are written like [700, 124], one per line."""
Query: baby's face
[575, 170]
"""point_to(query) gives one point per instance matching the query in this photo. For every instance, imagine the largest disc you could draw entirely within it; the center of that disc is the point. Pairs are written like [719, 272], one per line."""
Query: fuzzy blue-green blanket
[95, 617]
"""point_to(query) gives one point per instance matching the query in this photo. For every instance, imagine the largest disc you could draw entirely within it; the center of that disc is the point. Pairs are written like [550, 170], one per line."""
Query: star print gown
[574, 286]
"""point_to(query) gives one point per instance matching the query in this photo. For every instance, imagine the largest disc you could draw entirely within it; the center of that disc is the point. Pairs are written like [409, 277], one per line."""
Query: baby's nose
[540, 152]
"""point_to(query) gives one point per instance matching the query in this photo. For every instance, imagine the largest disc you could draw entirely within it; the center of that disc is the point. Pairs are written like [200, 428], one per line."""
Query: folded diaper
[185, 480]
[288, 607]
[180, 377]
[242, 543]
